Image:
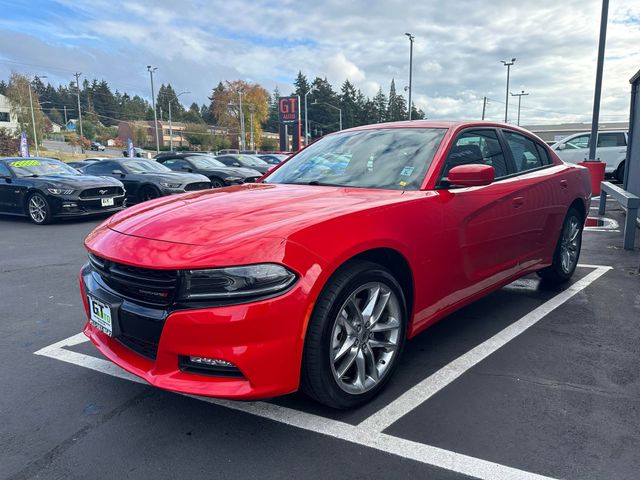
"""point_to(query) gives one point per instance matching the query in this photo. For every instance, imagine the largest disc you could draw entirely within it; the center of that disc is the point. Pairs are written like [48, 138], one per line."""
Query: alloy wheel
[37, 208]
[570, 246]
[365, 337]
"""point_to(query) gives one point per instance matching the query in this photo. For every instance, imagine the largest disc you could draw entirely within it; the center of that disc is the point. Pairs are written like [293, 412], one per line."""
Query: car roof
[13, 159]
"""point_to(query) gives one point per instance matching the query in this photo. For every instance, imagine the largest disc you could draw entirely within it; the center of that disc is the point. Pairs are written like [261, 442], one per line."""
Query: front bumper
[74, 206]
[263, 339]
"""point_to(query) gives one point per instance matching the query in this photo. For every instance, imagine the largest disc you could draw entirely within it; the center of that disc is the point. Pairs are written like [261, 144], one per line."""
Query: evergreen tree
[216, 94]
[379, 107]
[193, 114]
[272, 124]
[3, 87]
[348, 104]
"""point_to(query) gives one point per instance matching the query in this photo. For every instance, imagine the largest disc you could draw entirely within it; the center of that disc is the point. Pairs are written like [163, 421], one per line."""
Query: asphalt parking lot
[526, 383]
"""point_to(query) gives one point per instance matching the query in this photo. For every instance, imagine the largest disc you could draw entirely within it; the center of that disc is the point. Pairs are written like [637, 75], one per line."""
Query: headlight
[59, 191]
[171, 185]
[236, 282]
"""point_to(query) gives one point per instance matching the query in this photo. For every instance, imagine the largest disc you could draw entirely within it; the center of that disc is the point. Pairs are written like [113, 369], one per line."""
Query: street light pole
[242, 132]
[411, 38]
[33, 119]
[506, 102]
[598, 91]
[77, 75]
[153, 100]
[253, 143]
[332, 106]
[306, 117]
[171, 124]
[519, 95]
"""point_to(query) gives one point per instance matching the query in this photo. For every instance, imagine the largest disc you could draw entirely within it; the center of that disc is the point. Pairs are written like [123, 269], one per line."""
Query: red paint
[460, 244]
[471, 175]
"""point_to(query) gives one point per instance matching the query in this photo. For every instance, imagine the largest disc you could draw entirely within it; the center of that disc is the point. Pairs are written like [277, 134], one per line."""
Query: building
[554, 133]
[8, 118]
[126, 130]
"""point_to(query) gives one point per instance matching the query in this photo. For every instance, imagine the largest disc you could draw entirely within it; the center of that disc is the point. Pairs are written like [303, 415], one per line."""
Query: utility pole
[242, 132]
[484, 107]
[65, 115]
[77, 75]
[253, 144]
[506, 102]
[153, 99]
[411, 38]
[519, 95]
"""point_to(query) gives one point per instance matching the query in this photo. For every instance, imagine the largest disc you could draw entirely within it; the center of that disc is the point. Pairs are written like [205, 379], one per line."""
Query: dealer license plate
[100, 315]
[107, 202]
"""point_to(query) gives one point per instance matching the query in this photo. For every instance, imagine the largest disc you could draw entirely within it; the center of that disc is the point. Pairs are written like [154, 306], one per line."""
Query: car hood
[244, 213]
[77, 182]
[243, 172]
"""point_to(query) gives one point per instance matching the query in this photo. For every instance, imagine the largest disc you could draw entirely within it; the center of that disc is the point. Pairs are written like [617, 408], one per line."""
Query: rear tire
[355, 336]
[567, 252]
[38, 209]
[620, 173]
[149, 192]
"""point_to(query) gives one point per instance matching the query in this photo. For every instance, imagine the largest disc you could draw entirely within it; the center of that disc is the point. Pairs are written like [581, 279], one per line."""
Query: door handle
[517, 202]
[564, 183]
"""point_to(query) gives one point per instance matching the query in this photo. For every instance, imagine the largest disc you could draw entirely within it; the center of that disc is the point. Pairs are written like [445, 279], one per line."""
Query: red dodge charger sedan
[314, 277]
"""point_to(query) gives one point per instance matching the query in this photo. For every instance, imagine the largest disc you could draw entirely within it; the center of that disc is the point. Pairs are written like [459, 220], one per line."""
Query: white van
[611, 148]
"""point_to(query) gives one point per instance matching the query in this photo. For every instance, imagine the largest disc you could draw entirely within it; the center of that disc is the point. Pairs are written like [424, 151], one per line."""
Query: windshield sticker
[407, 171]
[403, 183]
[25, 163]
[370, 165]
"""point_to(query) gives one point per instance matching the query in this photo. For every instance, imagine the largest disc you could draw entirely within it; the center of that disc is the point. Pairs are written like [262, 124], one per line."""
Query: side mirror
[117, 172]
[473, 175]
[562, 146]
[6, 177]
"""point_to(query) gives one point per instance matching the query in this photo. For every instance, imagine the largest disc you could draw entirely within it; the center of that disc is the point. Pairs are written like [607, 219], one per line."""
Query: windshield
[251, 160]
[40, 167]
[144, 166]
[391, 158]
[204, 162]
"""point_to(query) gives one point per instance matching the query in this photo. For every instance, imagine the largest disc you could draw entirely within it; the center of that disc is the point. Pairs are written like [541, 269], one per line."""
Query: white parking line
[369, 432]
[443, 377]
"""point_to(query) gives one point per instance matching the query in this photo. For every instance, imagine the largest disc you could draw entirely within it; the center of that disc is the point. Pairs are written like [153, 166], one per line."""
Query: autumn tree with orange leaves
[225, 107]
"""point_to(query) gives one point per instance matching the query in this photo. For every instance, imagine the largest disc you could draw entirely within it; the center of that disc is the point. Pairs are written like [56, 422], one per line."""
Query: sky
[456, 60]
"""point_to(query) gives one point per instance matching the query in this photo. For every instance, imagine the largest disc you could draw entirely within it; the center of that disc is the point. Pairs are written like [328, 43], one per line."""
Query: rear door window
[611, 140]
[526, 155]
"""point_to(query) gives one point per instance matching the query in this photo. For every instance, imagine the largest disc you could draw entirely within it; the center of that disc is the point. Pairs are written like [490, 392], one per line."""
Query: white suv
[611, 148]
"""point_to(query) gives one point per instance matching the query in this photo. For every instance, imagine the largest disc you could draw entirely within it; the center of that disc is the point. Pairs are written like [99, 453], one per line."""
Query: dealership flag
[130, 150]
[24, 145]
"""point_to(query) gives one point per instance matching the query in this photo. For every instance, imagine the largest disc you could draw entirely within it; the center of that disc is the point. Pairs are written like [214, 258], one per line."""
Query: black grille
[141, 347]
[251, 179]
[197, 186]
[101, 192]
[156, 287]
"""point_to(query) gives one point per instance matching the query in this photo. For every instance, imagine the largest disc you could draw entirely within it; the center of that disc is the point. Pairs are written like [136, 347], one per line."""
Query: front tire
[216, 182]
[149, 192]
[567, 252]
[38, 209]
[355, 336]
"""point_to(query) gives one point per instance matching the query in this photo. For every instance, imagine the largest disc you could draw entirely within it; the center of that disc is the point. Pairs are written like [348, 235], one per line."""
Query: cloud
[457, 51]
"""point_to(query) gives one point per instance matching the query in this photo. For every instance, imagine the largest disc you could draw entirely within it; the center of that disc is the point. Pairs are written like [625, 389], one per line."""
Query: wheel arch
[579, 205]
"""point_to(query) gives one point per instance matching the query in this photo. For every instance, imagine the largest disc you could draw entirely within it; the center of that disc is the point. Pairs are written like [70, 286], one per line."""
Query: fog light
[208, 366]
[212, 362]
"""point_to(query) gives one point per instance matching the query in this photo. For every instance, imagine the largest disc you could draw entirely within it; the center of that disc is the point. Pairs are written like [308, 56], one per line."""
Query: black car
[147, 179]
[218, 173]
[79, 165]
[272, 158]
[247, 161]
[44, 189]
[97, 146]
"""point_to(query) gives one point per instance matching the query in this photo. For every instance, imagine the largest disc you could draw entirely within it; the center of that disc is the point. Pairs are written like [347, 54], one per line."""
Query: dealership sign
[289, 108]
